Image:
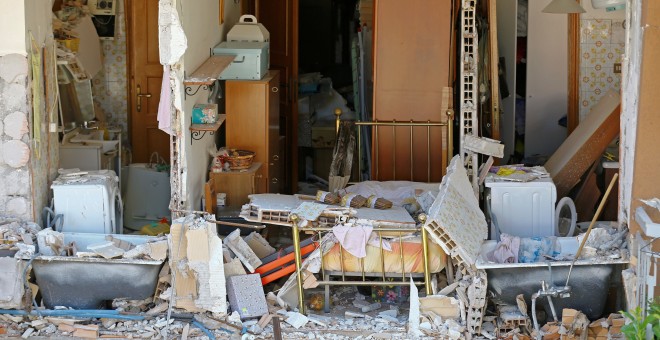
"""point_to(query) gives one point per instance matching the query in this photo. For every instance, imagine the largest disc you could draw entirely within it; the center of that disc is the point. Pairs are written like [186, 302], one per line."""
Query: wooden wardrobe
[253, 123]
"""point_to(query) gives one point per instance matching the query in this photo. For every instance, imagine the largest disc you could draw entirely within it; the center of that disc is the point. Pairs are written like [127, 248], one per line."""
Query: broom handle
[593, 221]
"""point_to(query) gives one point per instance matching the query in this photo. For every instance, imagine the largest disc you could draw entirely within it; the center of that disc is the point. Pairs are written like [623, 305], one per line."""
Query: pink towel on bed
[353, 238]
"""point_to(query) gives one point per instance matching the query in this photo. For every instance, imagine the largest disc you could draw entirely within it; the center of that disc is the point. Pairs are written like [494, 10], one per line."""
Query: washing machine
[89, 201]
[523, 209]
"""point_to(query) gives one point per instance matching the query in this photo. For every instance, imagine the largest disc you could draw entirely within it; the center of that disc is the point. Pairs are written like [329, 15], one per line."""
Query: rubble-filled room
[329, 169]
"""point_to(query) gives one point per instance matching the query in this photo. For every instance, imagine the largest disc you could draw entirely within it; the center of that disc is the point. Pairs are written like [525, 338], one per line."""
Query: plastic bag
[535, 249]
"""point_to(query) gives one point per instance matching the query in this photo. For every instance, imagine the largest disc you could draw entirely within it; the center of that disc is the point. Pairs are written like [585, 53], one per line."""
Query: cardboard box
[205, 113]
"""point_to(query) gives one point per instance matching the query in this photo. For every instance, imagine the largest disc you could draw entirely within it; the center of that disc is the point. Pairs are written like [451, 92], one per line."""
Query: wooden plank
[209, 127]
[586, 144]
[210, 70]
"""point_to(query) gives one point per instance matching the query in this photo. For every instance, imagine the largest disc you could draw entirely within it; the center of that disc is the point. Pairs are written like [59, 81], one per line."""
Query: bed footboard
[382, 277]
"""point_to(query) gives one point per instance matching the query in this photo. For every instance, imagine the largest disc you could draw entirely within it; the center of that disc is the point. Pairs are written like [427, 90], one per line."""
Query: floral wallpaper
[110, 84]
[602, 43]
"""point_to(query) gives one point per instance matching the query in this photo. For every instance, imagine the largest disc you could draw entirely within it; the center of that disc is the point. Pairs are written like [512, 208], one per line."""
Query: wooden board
[209, 127]
[210, 70]
[586, 144]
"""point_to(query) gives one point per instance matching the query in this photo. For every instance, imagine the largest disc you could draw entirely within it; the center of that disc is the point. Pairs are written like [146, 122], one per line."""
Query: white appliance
[89, 201]
[523, 209]
[147, 195]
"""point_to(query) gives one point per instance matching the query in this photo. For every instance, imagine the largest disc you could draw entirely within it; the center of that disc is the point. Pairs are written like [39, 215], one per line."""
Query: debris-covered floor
[200, 281]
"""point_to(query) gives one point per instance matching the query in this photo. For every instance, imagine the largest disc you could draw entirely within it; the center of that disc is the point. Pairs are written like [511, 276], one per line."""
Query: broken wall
[28, 161]
[200, 22]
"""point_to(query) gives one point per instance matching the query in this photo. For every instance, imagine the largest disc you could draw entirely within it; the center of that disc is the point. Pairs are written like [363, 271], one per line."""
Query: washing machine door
[565, 217]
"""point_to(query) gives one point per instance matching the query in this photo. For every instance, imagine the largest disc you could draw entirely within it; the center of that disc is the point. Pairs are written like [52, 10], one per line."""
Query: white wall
[38, 14]
[12, 27]
[547, 79]
[199, 19]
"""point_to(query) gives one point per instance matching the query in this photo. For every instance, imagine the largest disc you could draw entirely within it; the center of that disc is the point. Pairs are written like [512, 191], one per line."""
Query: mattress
[413, 257]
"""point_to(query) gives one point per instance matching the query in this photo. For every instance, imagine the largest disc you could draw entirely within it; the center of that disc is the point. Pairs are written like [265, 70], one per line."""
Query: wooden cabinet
[253, 123]
[237, 185]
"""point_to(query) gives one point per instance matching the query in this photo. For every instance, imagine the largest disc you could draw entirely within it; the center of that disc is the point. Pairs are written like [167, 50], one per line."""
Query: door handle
[139, 98]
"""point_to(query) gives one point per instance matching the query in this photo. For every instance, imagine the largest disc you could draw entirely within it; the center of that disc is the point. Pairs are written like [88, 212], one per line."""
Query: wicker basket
[240, 159]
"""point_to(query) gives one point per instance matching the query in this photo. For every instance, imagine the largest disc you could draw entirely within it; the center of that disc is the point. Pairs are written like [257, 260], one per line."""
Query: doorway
[328, 51]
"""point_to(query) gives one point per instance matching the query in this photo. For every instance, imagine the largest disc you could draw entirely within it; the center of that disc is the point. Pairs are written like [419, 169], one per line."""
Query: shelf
[206, 75]
[197, 131]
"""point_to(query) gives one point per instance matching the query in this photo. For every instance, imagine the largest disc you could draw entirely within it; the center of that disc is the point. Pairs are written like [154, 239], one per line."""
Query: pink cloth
[353, 238]
[165, 105]
[506, 250]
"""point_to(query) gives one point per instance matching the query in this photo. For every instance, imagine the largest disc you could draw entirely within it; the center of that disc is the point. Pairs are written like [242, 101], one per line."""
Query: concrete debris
[51, 243]
[350, 314]
[154, 250]
[242, 250]
[17, 237]
[444, 306]
[233, 268]
[196, 265]
[259, 245]
[296, 319]
[12, 289]
[413, 317]
[119, 243]
[106, 250]
[371, 307]
[392, 313]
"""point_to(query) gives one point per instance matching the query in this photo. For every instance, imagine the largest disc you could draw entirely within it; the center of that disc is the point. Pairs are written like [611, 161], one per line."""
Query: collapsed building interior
[328, 169]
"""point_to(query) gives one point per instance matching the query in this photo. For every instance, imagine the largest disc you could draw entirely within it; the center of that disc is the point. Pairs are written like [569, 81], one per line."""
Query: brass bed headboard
[395, 127]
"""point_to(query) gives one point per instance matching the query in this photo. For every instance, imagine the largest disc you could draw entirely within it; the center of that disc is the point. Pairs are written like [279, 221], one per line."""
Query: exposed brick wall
[15, 176]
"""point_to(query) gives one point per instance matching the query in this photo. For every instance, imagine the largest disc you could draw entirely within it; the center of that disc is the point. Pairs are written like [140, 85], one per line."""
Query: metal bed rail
[394, 125]
[318, 232]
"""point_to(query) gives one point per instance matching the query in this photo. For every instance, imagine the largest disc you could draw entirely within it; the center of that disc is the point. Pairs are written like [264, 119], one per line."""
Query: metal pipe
[298, 260]
[368, 283]
[82, 313]
[425, 253]
[394, 150]
[395, 123]
[411, 152]
[536, 322]
[382, 255]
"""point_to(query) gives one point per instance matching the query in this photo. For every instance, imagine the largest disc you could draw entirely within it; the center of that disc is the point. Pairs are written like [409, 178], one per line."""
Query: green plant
[636, 328]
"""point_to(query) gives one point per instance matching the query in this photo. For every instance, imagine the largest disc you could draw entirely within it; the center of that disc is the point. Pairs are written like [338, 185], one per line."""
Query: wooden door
[280, 17]
[145, 78]
[411, 73]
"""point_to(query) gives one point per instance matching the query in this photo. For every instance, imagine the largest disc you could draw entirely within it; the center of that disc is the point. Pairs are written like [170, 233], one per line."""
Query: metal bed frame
[394, 124]
[318, 231]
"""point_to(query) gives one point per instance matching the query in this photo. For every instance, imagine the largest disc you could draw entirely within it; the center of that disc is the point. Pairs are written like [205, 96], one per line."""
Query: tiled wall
[602, 43]
[110, 84]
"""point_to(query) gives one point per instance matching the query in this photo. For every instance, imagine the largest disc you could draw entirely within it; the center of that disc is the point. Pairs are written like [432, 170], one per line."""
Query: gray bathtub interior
[87, 283]
[590, 280]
